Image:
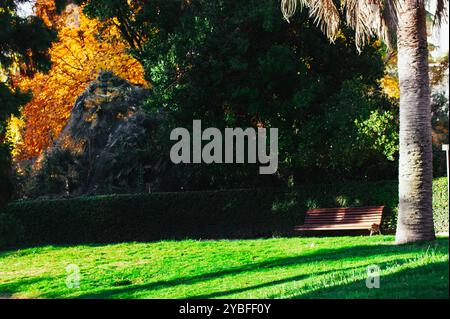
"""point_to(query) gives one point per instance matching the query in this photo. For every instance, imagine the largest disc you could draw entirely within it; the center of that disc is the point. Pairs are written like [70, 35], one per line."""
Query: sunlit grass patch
[268, 268]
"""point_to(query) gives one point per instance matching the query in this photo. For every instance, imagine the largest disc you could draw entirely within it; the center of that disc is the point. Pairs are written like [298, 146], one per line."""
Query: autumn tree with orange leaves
[84, 47]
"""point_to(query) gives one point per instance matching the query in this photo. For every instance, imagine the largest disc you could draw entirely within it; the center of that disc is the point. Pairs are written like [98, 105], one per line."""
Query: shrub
[11, 231]
[201, 215]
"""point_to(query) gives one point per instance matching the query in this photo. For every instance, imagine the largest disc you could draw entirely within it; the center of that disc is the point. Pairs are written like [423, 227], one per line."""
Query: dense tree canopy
[234, 63]
[230, 64]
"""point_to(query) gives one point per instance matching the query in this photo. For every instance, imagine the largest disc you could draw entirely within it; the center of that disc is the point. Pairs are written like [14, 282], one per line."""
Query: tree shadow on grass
[364, 251]
[425, 282]
[9, 289]
[21, 251]
[220, 294]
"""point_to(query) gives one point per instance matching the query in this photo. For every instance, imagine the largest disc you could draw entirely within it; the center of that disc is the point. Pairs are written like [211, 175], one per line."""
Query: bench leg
[373, 232]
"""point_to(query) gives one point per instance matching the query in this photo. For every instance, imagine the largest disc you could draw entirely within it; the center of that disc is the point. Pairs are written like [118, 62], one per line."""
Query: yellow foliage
[389, 83]
[84, 47]
[390, 86]
[14, 131]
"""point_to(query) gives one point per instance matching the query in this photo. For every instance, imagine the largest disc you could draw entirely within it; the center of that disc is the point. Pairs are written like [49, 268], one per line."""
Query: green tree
[24, 42]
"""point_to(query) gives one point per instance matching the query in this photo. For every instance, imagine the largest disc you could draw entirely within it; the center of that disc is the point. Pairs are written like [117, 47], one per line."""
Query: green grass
[333, 267]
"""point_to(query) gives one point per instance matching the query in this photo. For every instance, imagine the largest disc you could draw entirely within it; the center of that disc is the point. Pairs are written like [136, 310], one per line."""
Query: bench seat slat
[355, 217]
[358, 227]
[345, 213]
[314, 221]
[342, 218]
[369, 208]
[361, 226]
[340, 223]
[337, 224]
[342, 215]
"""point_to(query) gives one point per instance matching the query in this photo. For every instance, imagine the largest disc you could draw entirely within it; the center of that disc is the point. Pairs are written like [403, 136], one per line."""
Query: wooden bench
[356, 218]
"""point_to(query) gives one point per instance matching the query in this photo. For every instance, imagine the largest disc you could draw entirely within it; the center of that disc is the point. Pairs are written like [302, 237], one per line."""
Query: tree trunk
[415, 215]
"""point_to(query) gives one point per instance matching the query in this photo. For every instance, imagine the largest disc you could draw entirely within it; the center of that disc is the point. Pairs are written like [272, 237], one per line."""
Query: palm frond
[359, 16]
[390, 22]
[371, 18]
[441, 13]
[368, 18]
[324, 13]
[326, 16]
[289, 7]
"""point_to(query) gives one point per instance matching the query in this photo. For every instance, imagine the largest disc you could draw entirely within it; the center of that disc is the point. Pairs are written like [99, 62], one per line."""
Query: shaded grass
[268, 268]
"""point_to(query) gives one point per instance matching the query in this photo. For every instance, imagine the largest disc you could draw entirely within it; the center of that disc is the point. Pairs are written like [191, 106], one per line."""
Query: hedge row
[216, 214]
[440, 205]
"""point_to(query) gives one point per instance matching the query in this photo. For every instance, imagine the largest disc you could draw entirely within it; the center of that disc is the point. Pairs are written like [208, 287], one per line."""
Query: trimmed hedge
[11, 231]
[440, 205]
[214, 214]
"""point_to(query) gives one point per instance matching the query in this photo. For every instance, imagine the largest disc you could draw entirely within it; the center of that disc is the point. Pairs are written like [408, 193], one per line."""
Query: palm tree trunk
[415, 215]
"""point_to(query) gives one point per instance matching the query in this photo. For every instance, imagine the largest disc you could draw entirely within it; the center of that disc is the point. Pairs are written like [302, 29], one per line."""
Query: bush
[11, 231]
[201, 215]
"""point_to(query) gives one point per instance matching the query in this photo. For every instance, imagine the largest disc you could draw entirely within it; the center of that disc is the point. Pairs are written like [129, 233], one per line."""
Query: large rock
[103, 147]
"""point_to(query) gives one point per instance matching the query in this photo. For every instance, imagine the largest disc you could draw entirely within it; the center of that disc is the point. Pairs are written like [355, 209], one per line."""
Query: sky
[440, 36]
[25, 9]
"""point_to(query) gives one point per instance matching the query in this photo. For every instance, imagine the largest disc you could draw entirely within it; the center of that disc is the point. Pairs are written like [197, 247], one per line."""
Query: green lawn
[267, 268]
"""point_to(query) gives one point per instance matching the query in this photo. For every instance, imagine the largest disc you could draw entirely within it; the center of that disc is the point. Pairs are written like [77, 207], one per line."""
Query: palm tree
[400, 23]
